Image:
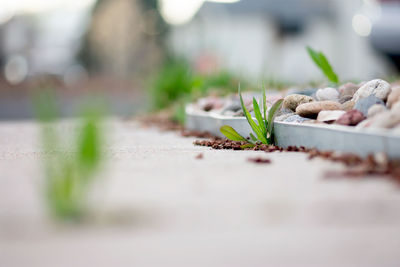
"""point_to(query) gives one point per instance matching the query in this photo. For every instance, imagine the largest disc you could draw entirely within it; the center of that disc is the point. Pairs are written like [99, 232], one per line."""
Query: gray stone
[363, 104]
[296, 118]
[284, 111]
[292, 101]
[283, 117]
[328, 93]
[379, 88]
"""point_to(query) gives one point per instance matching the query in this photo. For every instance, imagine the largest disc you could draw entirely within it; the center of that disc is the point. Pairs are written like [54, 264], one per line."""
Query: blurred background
[137, 53]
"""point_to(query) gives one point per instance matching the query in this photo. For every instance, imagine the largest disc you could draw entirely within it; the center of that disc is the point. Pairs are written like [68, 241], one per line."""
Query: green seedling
[176, 83]
[263, 127]
[69, 174]
[323, 64]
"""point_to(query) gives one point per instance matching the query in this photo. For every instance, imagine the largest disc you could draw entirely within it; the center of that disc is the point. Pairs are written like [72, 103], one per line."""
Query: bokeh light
[362, 25]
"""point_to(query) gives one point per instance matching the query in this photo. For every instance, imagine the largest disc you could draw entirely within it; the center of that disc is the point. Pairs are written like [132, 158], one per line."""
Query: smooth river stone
[346, 106]
[394, 96]
[351, 118]
[387, 119]
[330, 115]
[292, 101]
[376, 109]
[328, 93]
[379, 88]
[311, 110]
[348, 90]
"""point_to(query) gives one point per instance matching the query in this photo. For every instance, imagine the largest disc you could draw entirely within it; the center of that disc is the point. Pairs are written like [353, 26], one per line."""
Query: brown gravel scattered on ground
[219, 143]
[259, 160]
[199, 156]
[377, 164]
[357, 167]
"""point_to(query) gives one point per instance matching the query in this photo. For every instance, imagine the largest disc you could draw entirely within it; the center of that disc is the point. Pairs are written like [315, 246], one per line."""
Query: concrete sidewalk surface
[159, 205]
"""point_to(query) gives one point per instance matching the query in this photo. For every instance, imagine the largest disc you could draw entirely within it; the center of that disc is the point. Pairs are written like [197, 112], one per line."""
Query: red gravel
[351, 117]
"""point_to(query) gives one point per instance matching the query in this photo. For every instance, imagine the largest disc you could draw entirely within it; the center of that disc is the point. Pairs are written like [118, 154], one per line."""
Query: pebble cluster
[372, 104]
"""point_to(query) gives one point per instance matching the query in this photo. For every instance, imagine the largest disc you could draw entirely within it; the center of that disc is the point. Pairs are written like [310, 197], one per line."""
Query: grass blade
[322, 62]
[253, 125]
[88, 144]
[259, 118]
[231, 134]
[253, 138]
[271, 116]
[327, 69]
[264, 99]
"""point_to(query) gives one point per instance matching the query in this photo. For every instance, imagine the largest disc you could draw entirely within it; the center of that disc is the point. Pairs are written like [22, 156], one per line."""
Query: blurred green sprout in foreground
[71, 165]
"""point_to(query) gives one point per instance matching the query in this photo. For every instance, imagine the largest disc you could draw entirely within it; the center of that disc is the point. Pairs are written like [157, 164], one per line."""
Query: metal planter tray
[322, 137]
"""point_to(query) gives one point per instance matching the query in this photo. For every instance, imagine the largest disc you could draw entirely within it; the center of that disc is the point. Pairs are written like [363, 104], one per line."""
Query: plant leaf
[264, 98]
[88, 144]
[259, 118]
[322, 62]
[247, 146]
[252, 124]
[271, 116]
[253, 137]
[231, 134]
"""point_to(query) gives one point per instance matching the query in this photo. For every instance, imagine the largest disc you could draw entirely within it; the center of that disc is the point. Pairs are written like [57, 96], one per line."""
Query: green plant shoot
[68, 175]
[262, 128]
[323, 64]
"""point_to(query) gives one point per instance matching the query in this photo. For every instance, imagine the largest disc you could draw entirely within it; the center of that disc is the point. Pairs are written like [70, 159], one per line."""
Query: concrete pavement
[158, 205]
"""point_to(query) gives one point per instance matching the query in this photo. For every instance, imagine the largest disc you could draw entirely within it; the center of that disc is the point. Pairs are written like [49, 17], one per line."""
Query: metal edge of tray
[323, 137]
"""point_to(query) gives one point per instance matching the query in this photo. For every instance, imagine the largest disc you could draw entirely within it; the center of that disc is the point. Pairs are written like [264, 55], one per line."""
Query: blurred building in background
[108, 45]
[259, 38]
[267, 38]
[43, 40]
